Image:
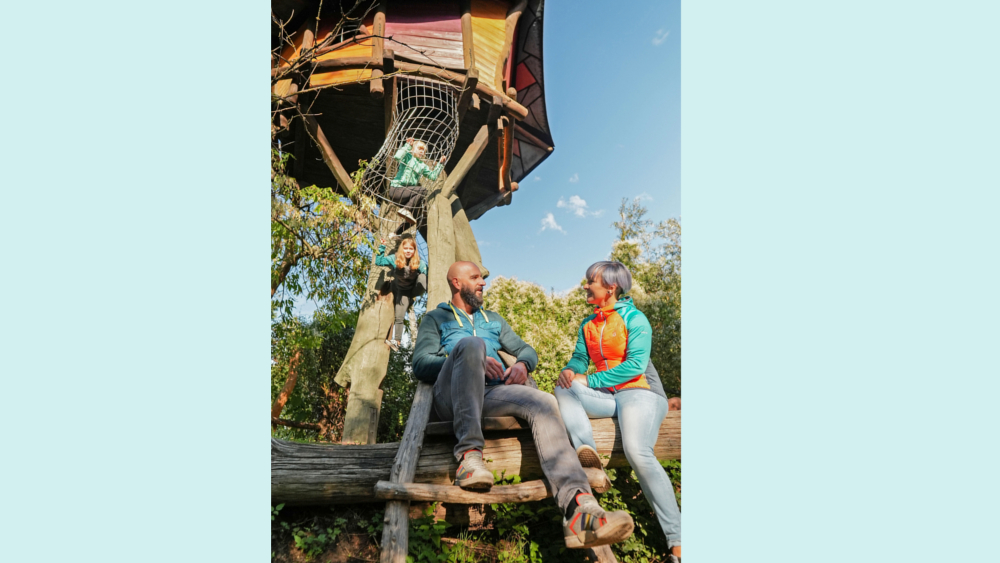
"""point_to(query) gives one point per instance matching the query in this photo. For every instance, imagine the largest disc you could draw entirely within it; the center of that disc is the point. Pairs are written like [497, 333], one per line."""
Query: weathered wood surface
[378, 33]
[468, 43]
[333, 473]
[538, 489]
[440, 242]
[395, 534]
[468, 91]
[510, 25]
[466, 247]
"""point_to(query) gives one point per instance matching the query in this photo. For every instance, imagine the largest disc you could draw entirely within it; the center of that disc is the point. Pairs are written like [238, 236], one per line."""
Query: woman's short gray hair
[611, 273]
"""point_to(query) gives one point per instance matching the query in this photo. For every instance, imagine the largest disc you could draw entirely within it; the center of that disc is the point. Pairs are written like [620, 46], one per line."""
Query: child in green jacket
[405, 189]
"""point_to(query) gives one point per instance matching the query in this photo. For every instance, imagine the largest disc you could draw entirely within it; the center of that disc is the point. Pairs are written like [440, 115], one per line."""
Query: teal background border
[840, 187]
[840, 192]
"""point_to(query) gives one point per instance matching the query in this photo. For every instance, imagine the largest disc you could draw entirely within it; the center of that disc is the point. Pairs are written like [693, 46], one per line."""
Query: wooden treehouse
[354, 81]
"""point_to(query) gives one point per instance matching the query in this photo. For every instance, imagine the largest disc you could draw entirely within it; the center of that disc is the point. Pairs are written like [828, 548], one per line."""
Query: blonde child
[408, 282]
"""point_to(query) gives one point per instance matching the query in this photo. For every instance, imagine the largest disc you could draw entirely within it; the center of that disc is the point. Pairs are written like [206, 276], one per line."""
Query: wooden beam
[378, 32]
[472, 153]
[466, 248]
[468, 91]
[506, 149]
[468, 46]
[338, 474]
[329, 157]
[511, 107]
[527, 135]
[539, 489]
[493, 117]
[395, 535]
[393, 95]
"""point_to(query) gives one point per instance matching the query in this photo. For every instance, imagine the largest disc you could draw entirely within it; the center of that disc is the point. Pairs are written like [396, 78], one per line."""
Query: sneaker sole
[476, 483]
[616, 530]
[589, 458]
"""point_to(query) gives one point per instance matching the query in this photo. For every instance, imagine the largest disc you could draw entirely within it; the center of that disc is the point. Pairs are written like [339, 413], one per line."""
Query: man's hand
[517, 374]
[494, 369]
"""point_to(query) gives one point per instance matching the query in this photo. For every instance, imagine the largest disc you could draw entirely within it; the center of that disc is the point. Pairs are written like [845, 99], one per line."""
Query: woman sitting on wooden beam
[457, 351]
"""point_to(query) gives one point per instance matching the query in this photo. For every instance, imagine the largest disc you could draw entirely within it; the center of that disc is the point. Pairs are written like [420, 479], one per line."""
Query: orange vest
[606, 336]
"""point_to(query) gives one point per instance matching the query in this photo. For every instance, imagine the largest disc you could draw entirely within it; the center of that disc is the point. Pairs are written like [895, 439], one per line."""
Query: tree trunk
[440, 243]
[337, 474]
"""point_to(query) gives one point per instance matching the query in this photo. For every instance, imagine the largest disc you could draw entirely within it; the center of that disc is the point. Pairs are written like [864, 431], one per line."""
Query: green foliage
[319, 248]
[275, 510]
[425, 539]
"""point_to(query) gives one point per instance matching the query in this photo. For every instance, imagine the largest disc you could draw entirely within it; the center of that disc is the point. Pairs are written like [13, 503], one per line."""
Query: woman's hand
[581, 378]
[566, 379]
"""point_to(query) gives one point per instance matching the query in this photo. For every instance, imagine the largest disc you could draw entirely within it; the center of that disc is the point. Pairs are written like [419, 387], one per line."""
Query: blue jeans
[640, 414]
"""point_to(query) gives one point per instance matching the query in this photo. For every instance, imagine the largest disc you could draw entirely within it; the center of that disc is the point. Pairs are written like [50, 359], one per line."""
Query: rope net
[422, 137]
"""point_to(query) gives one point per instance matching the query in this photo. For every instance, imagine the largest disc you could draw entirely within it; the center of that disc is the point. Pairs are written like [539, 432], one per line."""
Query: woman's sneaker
[406, 215]
[591, 526]
[472, 473]
[588, 458]
[392, 344]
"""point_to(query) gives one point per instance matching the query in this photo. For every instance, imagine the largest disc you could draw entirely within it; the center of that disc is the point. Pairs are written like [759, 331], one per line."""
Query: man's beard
[468, 294]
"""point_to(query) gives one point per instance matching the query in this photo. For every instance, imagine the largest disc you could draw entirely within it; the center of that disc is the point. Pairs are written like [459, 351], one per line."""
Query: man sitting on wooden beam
[457, 351]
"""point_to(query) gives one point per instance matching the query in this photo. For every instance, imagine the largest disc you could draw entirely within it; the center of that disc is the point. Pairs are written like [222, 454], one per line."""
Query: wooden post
[468, 47]
[395, 535]
[329, 157]
[440, 242]
[378, 32]
[388, 57]
[507, 151]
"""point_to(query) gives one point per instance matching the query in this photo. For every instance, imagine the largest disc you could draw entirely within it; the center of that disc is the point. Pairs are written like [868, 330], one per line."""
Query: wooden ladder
[400, 489]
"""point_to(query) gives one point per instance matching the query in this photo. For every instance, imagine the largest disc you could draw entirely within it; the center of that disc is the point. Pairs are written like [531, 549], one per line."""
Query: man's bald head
[465, 280]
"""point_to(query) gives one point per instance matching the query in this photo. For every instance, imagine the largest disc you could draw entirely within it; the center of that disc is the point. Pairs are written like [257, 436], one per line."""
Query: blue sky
[613, 98]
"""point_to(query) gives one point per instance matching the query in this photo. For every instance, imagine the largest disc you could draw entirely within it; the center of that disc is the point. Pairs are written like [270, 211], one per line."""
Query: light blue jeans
[640, 414]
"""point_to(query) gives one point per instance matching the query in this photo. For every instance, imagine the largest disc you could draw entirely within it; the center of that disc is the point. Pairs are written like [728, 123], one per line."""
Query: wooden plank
[378, 32]
[528, 136]
[395, 535]
[335, 474]
[539, 489]
[466, 247]
[470, 156]
[329, 157]
[468, 90]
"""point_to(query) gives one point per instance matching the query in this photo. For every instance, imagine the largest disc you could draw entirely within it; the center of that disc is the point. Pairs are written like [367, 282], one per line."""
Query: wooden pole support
[329, 157]
[395, 535]
[468, 46]
[378, 32]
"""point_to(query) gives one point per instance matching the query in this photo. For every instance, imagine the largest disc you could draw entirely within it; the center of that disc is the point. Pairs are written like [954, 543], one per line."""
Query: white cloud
[661, 36]
[578, 206]
[549, 222]
[644, 196]
[574, 178]
[537, 178]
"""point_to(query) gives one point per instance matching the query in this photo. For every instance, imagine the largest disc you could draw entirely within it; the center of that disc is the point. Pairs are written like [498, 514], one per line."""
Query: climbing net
[426, 111]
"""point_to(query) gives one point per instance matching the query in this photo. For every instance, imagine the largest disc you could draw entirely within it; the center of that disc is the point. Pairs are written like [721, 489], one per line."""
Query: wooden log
[338, 474]
[440, 243]
[329, 157]
[538, 489]
[466, 247]
[468, 45]
[395, 533]
[388, 58]
[288, 387]
[470, 156]
[468, 90]
[511, 107]
[378, 32]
